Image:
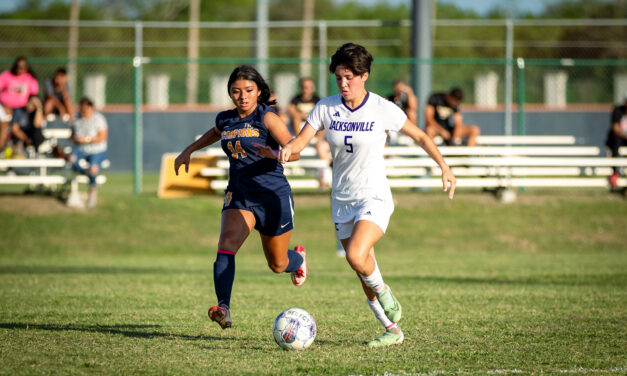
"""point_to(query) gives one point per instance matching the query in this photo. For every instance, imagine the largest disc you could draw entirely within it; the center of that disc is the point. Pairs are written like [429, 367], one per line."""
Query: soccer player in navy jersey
[258, 195]
[356, 122]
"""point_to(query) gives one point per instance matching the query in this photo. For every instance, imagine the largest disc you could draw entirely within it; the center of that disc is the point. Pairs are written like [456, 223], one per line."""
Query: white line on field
[514, 371]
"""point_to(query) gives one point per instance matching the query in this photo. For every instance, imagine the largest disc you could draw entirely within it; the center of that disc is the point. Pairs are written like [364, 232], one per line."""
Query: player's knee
[475, 130]
[93, 170]
[277, 267]
[227, 243]
[356, 261]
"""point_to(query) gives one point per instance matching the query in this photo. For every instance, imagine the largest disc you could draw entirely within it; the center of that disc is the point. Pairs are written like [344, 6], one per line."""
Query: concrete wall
[170, 132]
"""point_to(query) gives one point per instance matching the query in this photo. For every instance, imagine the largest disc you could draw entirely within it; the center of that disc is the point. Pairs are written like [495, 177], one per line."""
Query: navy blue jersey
[256, 179]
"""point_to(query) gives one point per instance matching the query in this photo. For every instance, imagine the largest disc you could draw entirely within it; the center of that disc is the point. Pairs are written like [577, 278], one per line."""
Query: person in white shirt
[356, 122]
[89, 133]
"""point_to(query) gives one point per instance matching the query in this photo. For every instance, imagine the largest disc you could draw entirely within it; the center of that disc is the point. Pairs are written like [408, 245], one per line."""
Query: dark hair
[60, 70]
[16, 62]
[457, 93]
[354, 57]
[246, 72]
[303, 79]
[86, 101]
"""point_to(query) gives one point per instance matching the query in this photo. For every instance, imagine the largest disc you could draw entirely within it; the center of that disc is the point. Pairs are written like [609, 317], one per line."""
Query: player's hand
[265, 151]
[182, 159]
[285, 153]
[448, 177]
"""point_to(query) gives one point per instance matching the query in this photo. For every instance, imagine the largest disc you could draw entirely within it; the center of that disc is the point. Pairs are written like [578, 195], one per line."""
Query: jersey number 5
[349, 148]
[237, 151]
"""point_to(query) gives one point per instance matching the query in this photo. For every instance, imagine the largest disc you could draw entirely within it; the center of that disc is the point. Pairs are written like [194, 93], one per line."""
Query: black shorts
[273, 217]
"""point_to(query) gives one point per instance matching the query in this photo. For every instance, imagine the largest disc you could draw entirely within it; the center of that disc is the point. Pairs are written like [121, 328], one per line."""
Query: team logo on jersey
[247, 131]
[444, 112]
[336, 114]
[351, 126]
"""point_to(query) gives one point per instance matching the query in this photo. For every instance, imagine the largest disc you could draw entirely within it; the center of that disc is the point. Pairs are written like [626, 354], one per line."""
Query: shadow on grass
[43, 269]
[610, 279]
[126, 330]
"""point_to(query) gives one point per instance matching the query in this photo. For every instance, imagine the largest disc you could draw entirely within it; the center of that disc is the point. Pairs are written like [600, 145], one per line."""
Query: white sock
[376, 308]
[374, 280]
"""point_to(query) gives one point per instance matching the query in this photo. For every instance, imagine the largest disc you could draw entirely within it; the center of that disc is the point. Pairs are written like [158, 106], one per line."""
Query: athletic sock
[295, 261]
[376, 308]
[223, 276]
[374, 280]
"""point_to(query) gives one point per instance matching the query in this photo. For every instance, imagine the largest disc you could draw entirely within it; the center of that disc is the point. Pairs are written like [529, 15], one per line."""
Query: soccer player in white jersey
[356, 122]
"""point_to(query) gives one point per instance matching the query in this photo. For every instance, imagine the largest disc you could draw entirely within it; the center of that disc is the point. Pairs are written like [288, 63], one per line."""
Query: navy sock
[223, 276]
[295, 260]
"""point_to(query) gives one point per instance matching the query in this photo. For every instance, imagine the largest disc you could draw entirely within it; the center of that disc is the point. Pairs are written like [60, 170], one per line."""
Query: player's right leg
[236, 226]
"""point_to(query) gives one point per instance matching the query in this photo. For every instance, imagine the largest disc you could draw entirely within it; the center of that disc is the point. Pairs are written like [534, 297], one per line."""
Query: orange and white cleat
[221, 315]
[299, 276]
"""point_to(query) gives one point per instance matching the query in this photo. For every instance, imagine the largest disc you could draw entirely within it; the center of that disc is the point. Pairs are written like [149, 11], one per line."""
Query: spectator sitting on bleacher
[16, 86]
[89, 132]
[444, 118]
[27, 123]
[57, 99]
[617, 135]
[403, 96]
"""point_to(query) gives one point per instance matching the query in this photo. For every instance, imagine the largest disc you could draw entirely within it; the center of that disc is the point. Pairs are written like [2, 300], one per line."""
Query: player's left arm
[425, 142]
[278, 131]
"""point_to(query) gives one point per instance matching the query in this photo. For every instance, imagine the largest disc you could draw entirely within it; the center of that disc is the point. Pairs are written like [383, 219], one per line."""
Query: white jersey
[357, 139]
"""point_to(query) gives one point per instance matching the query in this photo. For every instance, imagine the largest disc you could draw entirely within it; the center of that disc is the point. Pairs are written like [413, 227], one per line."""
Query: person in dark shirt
[444, 118]
[302, 104]
[617, 135]
[27, 123]
[57, 98]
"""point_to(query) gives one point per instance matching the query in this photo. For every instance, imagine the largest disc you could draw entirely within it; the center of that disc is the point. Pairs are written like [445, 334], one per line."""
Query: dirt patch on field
[33, 204]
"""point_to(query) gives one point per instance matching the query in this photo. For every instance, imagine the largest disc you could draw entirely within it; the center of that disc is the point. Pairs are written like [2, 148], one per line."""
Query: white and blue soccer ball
[294, 329]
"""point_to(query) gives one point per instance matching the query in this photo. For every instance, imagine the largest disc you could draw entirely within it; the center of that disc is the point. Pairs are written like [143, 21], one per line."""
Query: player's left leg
[275, 222]
[360, 256]
[280, 261]
[393, 334]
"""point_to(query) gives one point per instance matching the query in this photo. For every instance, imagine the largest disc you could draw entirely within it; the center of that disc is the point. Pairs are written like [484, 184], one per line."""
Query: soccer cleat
[613, 180]
[299, 276]
[387, 339]
[221, 315]
[390, 305]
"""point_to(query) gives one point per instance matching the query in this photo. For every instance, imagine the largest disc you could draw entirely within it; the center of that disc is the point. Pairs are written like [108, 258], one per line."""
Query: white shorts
[4, 116]
[346, 215]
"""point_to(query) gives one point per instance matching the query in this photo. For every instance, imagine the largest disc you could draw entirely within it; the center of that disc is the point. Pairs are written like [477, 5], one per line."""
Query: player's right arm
[210, 137]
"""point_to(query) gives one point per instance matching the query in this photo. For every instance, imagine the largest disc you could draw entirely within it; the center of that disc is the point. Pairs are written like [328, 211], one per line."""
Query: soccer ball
[294, 329]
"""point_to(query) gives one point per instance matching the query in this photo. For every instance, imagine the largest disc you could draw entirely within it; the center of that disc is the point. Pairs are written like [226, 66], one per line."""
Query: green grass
[539, 286]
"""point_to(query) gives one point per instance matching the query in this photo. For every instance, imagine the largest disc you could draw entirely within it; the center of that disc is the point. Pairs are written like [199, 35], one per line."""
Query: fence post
[520, 73]
[322, 65]
[509, 56]
[137, 109]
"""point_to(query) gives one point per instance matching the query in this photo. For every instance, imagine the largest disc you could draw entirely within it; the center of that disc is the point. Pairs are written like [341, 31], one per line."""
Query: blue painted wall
[170, 132]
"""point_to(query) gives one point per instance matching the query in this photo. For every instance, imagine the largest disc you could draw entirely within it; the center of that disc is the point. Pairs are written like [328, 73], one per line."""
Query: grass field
[536, 287]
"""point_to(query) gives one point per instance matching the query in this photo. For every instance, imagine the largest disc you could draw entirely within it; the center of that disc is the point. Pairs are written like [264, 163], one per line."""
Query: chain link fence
[466, 53]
